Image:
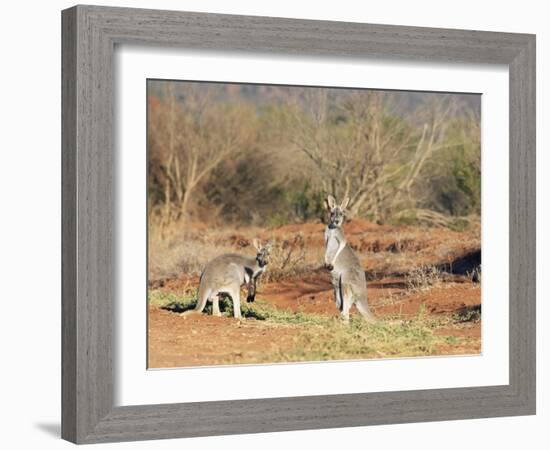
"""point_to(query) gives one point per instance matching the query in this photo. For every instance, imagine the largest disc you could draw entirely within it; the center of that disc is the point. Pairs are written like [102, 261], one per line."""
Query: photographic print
[299, 224]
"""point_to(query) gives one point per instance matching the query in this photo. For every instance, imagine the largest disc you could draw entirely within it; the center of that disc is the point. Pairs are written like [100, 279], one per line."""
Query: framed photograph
[278, 224]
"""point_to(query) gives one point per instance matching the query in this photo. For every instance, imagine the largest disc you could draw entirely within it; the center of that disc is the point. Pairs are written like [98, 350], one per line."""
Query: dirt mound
[352, 226]
[358, 226]
[239, 241]
[304, 228]
[387, 243]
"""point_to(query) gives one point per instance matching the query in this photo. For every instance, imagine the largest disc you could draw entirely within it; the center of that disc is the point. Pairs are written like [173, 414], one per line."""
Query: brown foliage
[268, 155]
[189, 136]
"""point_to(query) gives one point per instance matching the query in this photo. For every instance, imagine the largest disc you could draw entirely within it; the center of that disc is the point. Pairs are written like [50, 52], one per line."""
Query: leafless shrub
[356, 157]
[227, 154]
[189, 136]
[423, 278]
[287, 259]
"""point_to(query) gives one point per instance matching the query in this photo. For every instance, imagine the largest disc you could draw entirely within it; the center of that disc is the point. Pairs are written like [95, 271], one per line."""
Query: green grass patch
[318, 337]
[336, 340]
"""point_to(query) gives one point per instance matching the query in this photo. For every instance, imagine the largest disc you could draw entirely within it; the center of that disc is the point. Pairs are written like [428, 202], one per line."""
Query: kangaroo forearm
[251, 290]
[336, 253]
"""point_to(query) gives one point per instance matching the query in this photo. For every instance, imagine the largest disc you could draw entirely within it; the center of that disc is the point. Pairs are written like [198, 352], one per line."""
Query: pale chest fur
[334, 244]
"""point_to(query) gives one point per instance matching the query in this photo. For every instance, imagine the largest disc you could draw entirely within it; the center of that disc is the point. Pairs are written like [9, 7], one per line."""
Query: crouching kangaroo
[225, 275]
[348, 277]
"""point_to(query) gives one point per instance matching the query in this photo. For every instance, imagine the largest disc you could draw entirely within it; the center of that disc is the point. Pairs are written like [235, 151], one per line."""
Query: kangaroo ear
[256, 243]
[330, 202]
[344, 203]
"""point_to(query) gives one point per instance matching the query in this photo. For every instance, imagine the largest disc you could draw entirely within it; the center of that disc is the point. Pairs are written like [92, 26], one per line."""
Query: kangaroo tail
[203, 296]
[365, 311]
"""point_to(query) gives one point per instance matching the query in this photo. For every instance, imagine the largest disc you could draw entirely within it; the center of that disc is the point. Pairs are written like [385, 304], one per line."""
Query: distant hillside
[406, 102]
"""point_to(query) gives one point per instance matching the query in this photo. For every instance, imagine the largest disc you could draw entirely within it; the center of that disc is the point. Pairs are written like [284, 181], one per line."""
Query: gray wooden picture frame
[90, 34]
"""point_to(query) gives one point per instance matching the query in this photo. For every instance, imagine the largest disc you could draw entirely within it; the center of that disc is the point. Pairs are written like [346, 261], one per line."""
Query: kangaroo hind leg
[203, 296]
[216, 305]
[347, 301]
[235, 294]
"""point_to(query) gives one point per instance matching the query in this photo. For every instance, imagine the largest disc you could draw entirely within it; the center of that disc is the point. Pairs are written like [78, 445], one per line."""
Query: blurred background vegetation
[267, 155]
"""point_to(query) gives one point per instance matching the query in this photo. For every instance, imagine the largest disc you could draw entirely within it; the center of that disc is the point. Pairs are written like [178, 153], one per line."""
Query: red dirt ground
[177, 341]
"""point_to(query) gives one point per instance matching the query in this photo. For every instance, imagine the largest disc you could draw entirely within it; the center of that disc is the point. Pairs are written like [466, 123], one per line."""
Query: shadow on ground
[226, 307]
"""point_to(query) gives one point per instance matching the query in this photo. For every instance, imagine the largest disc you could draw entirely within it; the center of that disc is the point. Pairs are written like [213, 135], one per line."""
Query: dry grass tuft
[287, 259]
[423, 278]
[186, 253]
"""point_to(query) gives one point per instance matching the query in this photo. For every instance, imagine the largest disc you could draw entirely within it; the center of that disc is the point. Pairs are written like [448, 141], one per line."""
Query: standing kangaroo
[225, 275]
[348, 277]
